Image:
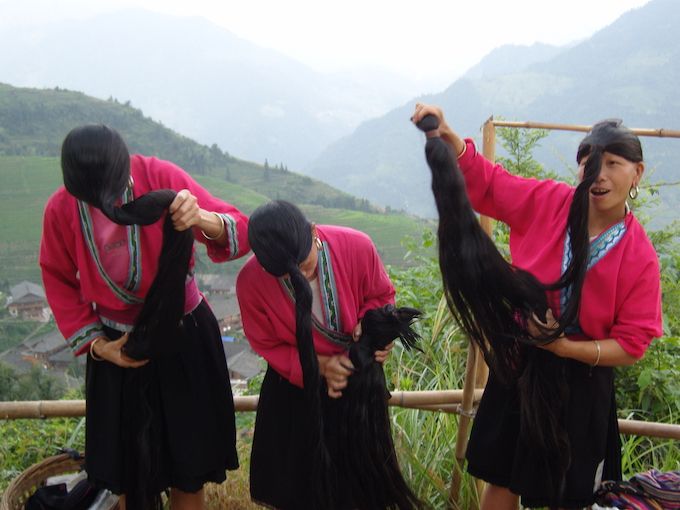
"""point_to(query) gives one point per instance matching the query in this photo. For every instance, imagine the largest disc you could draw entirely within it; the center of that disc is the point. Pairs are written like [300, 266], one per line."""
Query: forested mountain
[199, 79]
[510, 58]
[34, 122]
[628, 70]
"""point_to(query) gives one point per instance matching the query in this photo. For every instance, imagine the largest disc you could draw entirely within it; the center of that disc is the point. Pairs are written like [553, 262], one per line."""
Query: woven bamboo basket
[24, 485]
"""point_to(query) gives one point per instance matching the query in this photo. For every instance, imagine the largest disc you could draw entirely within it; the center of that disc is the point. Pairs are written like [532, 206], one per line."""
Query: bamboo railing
[448, 401]
[659, 133]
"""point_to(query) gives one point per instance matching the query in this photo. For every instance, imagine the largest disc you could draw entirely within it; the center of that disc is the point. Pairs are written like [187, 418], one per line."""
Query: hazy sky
[427, 40]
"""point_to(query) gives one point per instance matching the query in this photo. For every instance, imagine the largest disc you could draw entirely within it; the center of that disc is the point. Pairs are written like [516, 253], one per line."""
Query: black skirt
[281, 460]
[496, 456]
[194, 416]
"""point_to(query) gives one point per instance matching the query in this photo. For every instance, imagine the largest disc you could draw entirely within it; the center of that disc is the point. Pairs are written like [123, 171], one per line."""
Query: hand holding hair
[380, 354]
[112, 351]
[184, 210]
[336, 370]
[437, 126]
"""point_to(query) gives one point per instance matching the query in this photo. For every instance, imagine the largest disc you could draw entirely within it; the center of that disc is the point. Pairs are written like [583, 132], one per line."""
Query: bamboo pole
[649, 429]
[463, 425]
[42, 409]
[431, 399]
[38, 409]
[489, 152]
[421, 398]
[660, 133]
[448, 401]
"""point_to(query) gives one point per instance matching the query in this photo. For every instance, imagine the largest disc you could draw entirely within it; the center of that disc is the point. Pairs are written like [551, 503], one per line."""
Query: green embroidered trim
[605, 242]
[598, 249]
[232, 233]
[85, 335]
[336, 337]
[329, 292]
[88, 233]
[118, 326]
[134, 249]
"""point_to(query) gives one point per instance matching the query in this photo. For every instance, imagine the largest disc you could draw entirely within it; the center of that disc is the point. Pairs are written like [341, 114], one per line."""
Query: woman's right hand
[336, 370]
[446, 133]
[422, 110]
[112, 351]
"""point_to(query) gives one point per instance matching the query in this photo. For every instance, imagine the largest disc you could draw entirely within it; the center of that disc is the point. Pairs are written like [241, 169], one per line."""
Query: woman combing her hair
[582, 296]
[302, 297]
[117, 264]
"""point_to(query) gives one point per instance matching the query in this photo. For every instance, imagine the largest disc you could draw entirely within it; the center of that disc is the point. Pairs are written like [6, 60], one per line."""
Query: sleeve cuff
[80, 340]
[635, 349]
[469, 153]
[230, 251]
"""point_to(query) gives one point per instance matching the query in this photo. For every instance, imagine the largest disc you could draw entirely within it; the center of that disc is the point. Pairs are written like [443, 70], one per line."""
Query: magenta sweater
[354, 282]
[96, 272]
[622, 292]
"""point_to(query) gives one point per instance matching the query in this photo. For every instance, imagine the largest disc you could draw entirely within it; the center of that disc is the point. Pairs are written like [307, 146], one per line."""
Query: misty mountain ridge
[512, 58]
[628, 70]
[201, 80]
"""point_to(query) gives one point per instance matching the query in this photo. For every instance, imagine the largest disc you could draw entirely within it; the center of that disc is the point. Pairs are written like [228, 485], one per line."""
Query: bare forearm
[212, 226]
[452, 139]
[610, 353]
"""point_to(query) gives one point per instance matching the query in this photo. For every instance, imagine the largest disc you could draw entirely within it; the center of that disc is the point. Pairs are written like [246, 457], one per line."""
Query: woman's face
[610, 190]
[308, 267]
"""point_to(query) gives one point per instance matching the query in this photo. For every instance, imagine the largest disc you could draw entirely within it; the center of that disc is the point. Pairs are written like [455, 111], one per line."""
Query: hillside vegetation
[33, 124]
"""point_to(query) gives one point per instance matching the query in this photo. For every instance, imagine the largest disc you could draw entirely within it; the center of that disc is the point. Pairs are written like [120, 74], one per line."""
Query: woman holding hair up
[546, 427]
[121, 286]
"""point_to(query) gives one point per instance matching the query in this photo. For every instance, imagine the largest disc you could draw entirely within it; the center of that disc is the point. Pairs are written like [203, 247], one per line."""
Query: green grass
[27, 182]
[25, 185]
[34, 122]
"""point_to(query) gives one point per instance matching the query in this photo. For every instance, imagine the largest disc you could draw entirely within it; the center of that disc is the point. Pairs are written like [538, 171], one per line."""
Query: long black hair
[281, 239]
[605, 136]
[95, 164]
[365, 450]
[493, 301]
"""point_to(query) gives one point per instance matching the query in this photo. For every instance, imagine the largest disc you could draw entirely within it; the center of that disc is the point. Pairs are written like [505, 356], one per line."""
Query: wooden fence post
[476, 370]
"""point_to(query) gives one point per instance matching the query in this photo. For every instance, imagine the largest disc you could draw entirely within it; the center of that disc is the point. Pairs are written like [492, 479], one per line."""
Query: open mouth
[599, 192]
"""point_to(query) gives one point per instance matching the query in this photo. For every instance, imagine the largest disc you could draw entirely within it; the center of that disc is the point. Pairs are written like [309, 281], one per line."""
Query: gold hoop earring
[633, 192]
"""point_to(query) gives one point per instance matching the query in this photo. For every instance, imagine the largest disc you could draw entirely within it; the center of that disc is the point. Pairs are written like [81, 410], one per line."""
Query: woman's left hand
[537, 329]
[380, 356]
[184, 210]
[556, 346]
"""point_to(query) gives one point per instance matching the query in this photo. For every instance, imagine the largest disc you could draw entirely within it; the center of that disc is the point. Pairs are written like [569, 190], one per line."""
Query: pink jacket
[84, 288]
[356, 282]
[621, 296]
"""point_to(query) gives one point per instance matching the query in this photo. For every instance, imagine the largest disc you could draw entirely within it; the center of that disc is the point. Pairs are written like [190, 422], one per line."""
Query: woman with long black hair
[120, 282]
[304, 297]
[546, 427]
